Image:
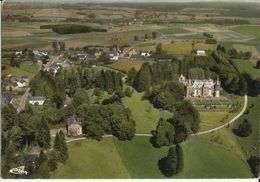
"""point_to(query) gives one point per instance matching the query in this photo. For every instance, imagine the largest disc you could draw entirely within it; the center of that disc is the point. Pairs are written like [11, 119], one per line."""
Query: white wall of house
[21, 85]
[40, 102]
[201, 52]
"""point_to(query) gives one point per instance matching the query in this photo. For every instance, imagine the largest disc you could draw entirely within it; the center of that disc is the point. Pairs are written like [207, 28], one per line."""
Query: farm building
[113, 56]
[201, 52]
[22, 83]
[37, 100]
[145, 54]
[74, 126]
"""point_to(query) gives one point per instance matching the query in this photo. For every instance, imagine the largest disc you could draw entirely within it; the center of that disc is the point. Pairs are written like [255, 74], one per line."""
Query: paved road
[23, 101]
[200, 133]
[231, 121]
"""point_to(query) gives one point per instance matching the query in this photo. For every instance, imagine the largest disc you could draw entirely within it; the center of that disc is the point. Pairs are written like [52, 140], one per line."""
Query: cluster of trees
[233, 53]
[244, 129]
[47, 162]
[109, 81]
[254, 162]
[71, 28]
[257, 64]
[58, 46]
[152, 75]
[211, 41]
[146, 36]
[25, 130]
[16, 60]
[176, 130]
[208, 35]
[166, 96]
[115, 119]
[173, 163]
[46, 84]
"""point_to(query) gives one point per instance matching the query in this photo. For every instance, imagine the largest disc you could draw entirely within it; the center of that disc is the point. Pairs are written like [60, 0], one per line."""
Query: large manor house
[200, 88]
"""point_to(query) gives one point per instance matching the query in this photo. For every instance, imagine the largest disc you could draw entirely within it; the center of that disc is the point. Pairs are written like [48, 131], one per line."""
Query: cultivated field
[125, 65]
[180, 47]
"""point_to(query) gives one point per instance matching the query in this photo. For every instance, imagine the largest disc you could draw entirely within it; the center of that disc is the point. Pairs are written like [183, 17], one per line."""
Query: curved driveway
[200, 133]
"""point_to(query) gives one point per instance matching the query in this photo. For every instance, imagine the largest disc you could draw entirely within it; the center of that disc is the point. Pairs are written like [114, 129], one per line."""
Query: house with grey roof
[37, 100]
[74, 126]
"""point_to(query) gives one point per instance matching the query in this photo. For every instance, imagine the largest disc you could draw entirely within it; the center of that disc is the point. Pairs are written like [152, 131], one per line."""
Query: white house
[22, 83]
[145, 54]
[113, 56]
[18, 53]
[201, 52]
[38, 99]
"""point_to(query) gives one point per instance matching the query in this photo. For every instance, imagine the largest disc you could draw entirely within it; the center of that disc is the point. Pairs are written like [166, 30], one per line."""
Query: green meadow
[248, 67]
[110, 158]
[248, 30]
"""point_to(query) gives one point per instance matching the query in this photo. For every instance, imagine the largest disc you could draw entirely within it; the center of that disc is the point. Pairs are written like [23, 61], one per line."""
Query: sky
[107, 1]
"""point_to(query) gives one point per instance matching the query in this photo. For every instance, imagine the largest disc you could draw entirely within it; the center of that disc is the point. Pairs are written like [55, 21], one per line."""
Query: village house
[200, 88]
[145, 54]
[113, 56]
[22, 83]
[6, 98]
[74, 126]
[201, 52]
[135, 57]
[37, 100]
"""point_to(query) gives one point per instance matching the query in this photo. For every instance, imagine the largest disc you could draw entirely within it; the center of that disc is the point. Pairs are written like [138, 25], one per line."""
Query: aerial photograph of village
[130, 89]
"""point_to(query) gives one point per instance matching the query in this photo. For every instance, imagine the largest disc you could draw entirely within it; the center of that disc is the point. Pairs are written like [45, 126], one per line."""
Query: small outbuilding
[201, 52]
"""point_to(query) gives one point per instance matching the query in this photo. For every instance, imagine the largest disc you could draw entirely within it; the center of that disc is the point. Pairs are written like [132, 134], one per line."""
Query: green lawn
[24, 70]
[210, 120]
[29, 67]
[145, 115]
[92, 159]
[249, 144]
[227, 45]
[248, 67]
[125, 65]
[111, 158]
[173, 30]
[248, 30]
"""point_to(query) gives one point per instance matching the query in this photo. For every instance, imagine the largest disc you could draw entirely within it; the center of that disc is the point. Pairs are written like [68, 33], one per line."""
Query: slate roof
[24, 159]
[7, 97]
[73, 120]
[37, 98]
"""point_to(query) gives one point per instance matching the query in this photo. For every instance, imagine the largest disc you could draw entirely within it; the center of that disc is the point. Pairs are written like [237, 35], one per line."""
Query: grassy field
[248, 67]
[111, 158]
[173, 30]
[92, 159]
[210, 120]
[24, 70]
[249, 144]
[176, 48]
[125, 65]
[145, 115]
[248, 30]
